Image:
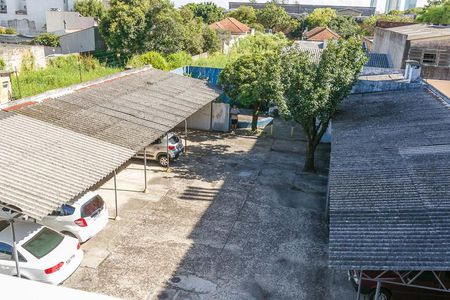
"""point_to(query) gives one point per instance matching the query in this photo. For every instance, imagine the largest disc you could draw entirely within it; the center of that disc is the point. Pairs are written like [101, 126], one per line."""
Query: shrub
[152, 58]
[64, 61]
[10, 31]
[89, 63]
[47, 39]
[2, 64]
[28, 62]
[178, 59]
[50, 79]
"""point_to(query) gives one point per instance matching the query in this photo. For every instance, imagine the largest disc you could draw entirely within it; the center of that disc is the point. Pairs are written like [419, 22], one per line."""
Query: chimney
[412, 71]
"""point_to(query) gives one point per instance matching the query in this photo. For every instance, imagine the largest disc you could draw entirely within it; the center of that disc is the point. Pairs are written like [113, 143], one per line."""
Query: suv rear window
[92, 206]
[44, 242]
[174, 139]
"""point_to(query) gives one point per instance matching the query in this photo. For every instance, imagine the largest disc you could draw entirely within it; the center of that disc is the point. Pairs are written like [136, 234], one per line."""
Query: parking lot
[234, 219]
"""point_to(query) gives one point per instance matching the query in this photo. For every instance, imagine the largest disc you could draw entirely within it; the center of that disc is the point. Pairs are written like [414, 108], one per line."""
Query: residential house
[230, 30]
[427, 44]
[321, 34]
[28, 16]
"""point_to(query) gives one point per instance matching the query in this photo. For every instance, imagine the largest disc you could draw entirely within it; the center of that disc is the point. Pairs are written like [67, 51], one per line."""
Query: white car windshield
[43, 242]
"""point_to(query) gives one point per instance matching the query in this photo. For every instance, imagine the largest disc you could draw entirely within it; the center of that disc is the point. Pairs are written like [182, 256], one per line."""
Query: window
[429, 58]
[5, 251]
[44, 242]
[3, 7]
[92, 207]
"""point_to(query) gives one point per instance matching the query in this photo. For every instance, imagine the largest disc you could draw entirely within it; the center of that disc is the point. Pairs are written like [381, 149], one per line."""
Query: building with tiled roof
[232, 26]
[320, 34]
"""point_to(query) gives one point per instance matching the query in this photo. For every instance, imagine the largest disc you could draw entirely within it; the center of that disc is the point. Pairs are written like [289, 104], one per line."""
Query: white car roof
[23, 230]
[85, 198]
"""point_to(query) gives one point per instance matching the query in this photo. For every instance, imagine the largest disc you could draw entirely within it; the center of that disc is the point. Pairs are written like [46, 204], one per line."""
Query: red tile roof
[321, 34]
[231, 25]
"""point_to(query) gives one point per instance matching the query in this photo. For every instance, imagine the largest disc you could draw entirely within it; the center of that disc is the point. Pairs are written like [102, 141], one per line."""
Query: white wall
[35, 12]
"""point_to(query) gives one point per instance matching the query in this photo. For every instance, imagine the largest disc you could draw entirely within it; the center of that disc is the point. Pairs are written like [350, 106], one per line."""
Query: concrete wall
[5, 88]
[13, 56]
[62, 22]
[221, 117]
[391, 43]
[369, 86]
[213, 116]
[201, 119]
[439, 46]
[35, 13]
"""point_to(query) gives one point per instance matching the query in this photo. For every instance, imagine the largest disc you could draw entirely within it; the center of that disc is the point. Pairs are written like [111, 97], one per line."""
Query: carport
[131, 109]
[58, 145]
[389, 195]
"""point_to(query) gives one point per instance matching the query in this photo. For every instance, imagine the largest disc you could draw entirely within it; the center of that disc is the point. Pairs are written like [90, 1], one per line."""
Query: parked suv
[158, 149]
[402, 292]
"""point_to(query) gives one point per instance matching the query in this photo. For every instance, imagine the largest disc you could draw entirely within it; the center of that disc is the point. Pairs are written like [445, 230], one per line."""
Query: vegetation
[321, 17]
[178, 59]
[276, 18]
[209, 12]
[436, 13]
[47, 39]
[152, 58]
[313, 91]
[8, 30]
[215, 60]
[2, 64]
[368, 25]
[244, 14]
[60, 72]
[90, 8]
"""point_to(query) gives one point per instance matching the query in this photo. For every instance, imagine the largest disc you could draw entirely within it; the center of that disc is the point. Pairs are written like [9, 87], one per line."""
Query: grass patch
[60, 72]
[216, 60]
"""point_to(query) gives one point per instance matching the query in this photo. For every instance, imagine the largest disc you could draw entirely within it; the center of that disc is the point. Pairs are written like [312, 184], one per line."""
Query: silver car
[159, 149]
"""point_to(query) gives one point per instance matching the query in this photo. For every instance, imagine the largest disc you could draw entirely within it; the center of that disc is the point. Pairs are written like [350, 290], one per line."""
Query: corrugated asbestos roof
[55, 150]
[43, 166]
[389, 183]
[130, 111]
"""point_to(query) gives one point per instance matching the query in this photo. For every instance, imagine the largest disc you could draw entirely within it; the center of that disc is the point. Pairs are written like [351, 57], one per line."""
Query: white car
[82, 219]
[158, 149]
[44, 254]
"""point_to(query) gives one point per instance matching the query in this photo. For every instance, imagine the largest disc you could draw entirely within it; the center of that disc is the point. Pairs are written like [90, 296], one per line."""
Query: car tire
[384, 294]
[163, 160]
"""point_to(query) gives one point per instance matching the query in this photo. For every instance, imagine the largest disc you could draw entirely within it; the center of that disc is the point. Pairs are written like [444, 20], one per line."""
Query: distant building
[62, 22]
[296, 10]
[28, 16]
[321, 34]
[385, 6]
[427, 44]
[230, 30]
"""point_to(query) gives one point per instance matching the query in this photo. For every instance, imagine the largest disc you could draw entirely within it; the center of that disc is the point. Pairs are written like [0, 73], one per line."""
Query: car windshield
[44, 242]
[174, 139]
[92, 206]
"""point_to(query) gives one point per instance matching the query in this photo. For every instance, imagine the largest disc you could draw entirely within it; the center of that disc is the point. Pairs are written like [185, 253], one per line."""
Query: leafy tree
[193, 34]
[47, 39]
[260, 44]
[252, 80]
[274, 17]
[313, 91]
[167, 32]
[369, 24]
[321, 17]
[152, 58]
[124, 27]
[208, 11]
[211, 40]
[90, 8]
[436, 14]
[178, 59]
[244, 14]
[345, 26]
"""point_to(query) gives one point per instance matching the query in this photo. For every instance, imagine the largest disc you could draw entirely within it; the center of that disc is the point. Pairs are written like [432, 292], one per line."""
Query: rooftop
[321, 34]
[421, 31]
[231, 25]
[389, 183]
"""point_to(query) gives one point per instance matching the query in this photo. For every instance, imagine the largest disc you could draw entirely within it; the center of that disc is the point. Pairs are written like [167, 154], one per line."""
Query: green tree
[124, 26]
[252, 80]
[313, 91]
[211, 40]
[436, 14]
[208, 11]
[47, 39]
[152, 58]
[274, 17]
[90, 8]
[167, 34]
[345, 26]
[369, 24]
[321, 17]
[260, 44]
[178, 59]
[244, 14]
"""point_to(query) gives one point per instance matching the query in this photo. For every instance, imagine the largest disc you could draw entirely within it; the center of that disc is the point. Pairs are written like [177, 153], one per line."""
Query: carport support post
[115, 197]
[167, 149]
[377, 291]
[358, 296]
[145, 171]
[185, 136]
[16, 255]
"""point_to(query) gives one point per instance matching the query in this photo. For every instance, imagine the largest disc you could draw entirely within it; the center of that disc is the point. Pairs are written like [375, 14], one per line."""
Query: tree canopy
[274, 17]
[438, 13]
[313, 91]
[208, 11]
[321, 17]
[244, 14]
[47, 39]
[90, 8]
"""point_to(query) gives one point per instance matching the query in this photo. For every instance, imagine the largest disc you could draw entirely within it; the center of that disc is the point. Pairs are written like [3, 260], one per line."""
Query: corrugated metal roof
[421, 31]
[389, 183]
[43, 166]
[131, 111]
[378, 60]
